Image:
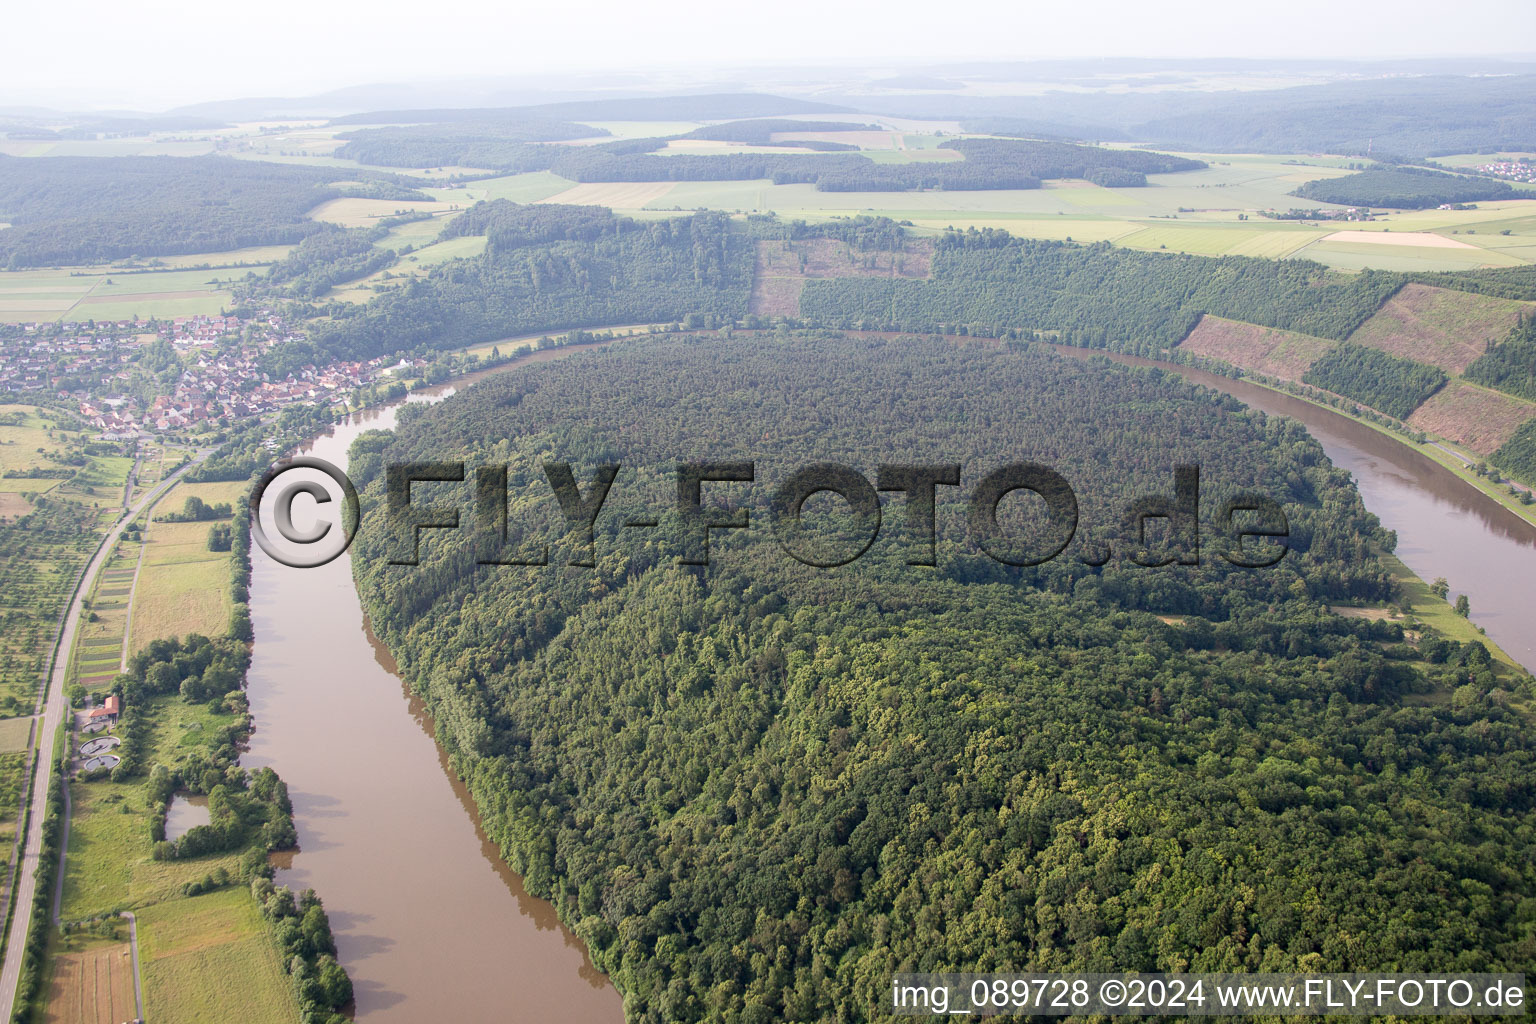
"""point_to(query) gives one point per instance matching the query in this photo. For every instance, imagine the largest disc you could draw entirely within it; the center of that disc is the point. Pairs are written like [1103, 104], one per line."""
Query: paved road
[54, 709]
[133, 944]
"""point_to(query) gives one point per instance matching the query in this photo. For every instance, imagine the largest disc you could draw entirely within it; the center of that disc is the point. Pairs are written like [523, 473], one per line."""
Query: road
[54, 708]
[133, 944]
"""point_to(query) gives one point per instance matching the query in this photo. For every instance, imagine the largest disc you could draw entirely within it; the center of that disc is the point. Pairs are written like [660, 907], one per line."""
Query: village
[1514, 170]
[98, 367]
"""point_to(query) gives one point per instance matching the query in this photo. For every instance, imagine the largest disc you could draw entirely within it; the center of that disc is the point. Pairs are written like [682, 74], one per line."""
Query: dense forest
[1099, 295]
[1385, 383]
[987, 163]
[558, 267]
[322, 261]
[92, 209]
[1517, 456]
[1511, 364]
[760, 131]
[624, 271]
[756, 789]
[1404, 188]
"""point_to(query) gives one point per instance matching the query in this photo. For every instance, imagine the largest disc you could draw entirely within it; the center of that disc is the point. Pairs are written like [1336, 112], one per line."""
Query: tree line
[1384, 382]
[1403, 188]
[65, 210]
[987, 163]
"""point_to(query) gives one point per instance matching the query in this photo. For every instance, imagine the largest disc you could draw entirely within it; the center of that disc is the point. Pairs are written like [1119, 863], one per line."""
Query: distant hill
[1420, 116]
[703, 107]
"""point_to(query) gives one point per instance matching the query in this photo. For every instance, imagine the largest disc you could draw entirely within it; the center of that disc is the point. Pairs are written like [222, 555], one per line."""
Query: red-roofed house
[108, 712]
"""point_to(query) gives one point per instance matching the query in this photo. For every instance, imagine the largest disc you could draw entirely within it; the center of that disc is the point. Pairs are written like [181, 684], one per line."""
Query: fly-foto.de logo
[1250, 530]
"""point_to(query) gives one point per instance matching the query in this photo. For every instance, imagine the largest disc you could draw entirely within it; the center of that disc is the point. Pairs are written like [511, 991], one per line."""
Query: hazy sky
[151, 54]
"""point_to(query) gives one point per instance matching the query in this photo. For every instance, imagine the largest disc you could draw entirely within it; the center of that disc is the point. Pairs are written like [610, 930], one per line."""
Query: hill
[756, 789]
[1404, 188]
[94, 209]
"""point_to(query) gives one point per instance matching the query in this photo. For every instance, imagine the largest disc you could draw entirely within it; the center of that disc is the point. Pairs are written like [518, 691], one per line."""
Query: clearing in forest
[783, 267]
[1473, 416]
[1439, 326]
[1266, 350]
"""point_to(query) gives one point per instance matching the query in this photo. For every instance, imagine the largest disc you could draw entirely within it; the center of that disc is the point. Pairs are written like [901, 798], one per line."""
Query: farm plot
[93, 987]
[616, 195]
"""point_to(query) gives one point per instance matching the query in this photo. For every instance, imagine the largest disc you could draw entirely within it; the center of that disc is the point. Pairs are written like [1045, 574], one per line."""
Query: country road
[54, 710]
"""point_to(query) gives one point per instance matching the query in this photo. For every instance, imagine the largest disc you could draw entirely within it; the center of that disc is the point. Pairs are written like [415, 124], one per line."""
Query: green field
[519, 188]
[209, 958]
[183, 587]
[105, 293]
[415, 233]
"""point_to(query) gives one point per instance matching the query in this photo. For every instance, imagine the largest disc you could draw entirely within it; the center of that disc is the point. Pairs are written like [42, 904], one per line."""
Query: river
[1444, 526]
[429, 921]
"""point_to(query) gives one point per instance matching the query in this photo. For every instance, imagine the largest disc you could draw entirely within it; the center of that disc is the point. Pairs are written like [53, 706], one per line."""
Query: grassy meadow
[209, 958]
[183, 587]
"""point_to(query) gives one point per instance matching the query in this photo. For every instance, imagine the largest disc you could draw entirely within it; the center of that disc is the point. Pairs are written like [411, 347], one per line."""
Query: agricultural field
[519, 188]
[415, 234]
[1372, 255]
[209, 958]
[1440, 326]
[92, 986]
[1266, 350]
[440, 252]
[617, 195]
[365, 213]
[105, 293]
[49, 527]
[183, 587]
[98, 653]
[1473, 416]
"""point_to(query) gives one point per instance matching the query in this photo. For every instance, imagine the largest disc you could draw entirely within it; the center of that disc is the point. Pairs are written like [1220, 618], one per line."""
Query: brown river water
[429, 921]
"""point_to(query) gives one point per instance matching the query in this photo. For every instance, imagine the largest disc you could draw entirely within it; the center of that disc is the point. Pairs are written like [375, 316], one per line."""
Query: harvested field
[1473, 416]
[783, 267]
[1265, 350]
[862, 139]
[616, 195]
[1424, 239]
[1439, 326]
[13, 505]
[94, 987]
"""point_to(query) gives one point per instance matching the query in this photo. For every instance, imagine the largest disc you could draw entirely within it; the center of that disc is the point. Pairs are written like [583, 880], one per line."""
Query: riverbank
[437, 927]
[1435, 447]
[210, 950]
